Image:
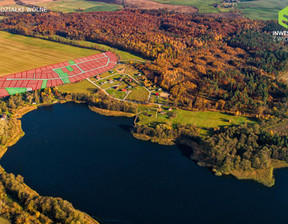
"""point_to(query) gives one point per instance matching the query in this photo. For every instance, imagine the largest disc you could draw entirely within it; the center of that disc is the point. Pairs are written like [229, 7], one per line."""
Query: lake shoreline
[262, 176]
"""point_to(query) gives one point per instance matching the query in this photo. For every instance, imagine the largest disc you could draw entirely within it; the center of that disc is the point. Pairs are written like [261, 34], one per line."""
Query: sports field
[57, 74]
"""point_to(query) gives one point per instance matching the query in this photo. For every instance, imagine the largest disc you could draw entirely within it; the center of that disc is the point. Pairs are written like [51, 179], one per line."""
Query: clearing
[205, 120]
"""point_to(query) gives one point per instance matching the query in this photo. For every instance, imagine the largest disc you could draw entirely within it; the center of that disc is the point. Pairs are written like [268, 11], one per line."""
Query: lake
[95, 163]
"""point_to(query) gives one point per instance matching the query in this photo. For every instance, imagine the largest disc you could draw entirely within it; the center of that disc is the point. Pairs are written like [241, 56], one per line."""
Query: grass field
[139, 94]
[203, 6]
[124, 55]
[73, 5]
[262, 9]
[79, 87]
[203, 120]
[20, 53]
[116, 93]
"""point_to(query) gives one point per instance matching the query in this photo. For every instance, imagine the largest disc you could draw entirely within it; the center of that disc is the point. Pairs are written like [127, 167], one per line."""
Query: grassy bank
[110, 112]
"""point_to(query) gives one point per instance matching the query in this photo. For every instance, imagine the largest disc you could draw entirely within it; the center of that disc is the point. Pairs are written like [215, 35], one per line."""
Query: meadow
[79, 87]
[75, 5]
[205, 120]
[262, 9]
[203, 6]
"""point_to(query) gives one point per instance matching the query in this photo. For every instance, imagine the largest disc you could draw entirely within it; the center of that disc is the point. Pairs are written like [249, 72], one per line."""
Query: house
[124, 90]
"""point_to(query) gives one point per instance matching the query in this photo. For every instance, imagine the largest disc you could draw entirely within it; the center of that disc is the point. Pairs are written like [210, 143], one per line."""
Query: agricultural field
[75, 5]
[205, 120]
[123, 55]
[203, 6]
[20, 53]
[57, 74]
[44, 52]
[262, 9]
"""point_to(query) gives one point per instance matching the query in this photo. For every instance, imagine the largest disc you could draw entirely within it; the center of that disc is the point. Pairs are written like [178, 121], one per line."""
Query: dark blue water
[95, 163]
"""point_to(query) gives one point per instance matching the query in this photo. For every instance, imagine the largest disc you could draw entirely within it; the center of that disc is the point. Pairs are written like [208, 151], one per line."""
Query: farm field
[262, 9]
[44, 52]
[57, 74]
[20, 53]
[74, 5]
[203, 6]
[124, 55]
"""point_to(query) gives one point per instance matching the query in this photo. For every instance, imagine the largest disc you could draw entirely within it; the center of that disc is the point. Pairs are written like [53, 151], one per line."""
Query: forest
[204, 62]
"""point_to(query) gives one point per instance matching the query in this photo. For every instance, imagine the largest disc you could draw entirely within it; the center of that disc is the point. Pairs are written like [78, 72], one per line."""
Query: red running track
[57, 74]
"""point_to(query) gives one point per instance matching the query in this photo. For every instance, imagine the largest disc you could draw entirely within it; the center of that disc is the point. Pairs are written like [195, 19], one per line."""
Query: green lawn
[73, 5]
[203, 120]
[262, 9]
[19, 53]
[139, 94]
[203, 6]
[116, 93]
[79, 87]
